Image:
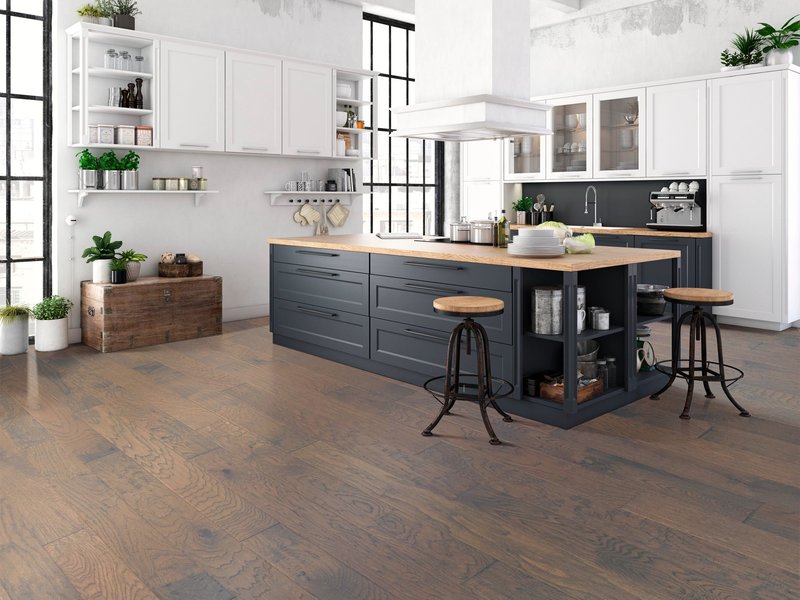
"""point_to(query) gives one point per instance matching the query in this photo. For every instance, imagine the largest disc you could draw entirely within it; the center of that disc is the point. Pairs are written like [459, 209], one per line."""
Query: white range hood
[473, 73]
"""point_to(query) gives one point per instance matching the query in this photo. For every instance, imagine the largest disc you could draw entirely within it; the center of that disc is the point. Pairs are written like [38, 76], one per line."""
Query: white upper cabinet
[308, 108]
[569, 149]
[619, 137]
[676, 130]
[482, 160]
[192, 97]
[747, 124]
[524, 157]
[479, 199]
[252, 103]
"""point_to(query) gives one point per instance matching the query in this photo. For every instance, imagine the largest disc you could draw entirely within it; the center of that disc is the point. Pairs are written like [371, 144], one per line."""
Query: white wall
[229, 230]
[656, 40]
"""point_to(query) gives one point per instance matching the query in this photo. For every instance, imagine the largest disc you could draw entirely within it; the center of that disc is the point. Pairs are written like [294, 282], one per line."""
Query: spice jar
[138, 64]
[602, 372]
[110, 59]
[124, 61]
[611, 368]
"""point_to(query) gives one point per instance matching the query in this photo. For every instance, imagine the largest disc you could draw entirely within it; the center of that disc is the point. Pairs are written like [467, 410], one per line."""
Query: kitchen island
[367, 302]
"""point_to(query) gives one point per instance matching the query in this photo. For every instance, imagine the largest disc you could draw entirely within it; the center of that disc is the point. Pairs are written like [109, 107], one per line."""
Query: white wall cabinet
[192, 97]
[569, 149]
[747, 116]
[676, 130]
[308, 108]
[619, 135]
[482, 160]
[480, 198]
[524, 158]
[252, 103]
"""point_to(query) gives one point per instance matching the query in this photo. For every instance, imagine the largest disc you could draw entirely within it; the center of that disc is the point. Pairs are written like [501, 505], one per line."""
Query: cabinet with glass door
[524, 157]
[569, 148]
[618, 136]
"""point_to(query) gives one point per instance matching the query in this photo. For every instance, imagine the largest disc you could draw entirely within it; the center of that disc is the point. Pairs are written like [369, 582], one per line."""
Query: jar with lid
[110, 59]
[611, 368]
[602, 372]
[124, 61]
[138, 64]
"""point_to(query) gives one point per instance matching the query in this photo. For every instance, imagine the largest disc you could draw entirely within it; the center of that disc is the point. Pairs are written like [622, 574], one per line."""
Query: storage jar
[125, 135]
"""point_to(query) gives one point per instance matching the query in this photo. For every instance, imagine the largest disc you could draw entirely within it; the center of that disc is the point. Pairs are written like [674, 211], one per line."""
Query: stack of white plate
[540, 243]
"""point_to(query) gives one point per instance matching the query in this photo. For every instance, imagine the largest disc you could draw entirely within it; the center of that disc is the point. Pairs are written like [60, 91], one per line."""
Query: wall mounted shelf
[116, 110]
[82, 194]
[112, 73]
[283, 198]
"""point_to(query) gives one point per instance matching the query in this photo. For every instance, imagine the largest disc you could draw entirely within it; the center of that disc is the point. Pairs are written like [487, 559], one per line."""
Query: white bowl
[343, 90]
[341, 118]
[352, 152]
[533, 232]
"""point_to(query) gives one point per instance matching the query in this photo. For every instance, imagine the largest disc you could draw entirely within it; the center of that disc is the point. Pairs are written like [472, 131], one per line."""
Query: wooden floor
[229, 468]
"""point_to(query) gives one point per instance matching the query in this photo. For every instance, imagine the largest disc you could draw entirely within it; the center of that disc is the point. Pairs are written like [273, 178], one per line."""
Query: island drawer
[410, 301]
[320, 257]
[424, 351]
[321, 326]
[489, 277]
[331, 288]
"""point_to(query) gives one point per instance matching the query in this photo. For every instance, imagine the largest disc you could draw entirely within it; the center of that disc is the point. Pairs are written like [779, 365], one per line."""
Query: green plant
[524, 204]
[781, 39]
[749, 52]
[52, 308]
[12, 312]
[731, 59]
[103, 248]
[117, 264]
[86, 160]
[106, 7]
[90, 10]
[132, 256]
[126, 7]
[108, 161]
[129, 162]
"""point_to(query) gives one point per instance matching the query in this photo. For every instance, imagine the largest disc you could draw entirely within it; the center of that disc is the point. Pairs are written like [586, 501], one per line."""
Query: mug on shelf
[293, 186]
[601, 319]
[581, 319]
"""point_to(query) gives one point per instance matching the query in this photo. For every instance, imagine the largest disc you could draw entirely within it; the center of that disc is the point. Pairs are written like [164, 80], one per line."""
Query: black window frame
[47, 146]
[437, 186]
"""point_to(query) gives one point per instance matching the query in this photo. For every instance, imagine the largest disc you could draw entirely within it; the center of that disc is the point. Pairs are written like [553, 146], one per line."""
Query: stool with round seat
[455, 387]
[697, 317]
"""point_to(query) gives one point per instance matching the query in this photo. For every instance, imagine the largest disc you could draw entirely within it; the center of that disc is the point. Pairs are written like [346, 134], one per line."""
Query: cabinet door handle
[261, 148]
[427, 336]
[622, 175]
[744, 178]
[308, 151]
[425, 288]
[676, 172]
[314, 253]
[412, 263]
[317, 273]
[193, 145]
[745, 171]
[319, 313]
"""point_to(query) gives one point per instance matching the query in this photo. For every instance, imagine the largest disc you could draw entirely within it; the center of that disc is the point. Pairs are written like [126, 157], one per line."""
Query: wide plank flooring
[228, 468]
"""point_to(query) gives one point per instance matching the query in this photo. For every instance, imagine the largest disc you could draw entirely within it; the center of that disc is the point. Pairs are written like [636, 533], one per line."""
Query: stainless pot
[481, 232]
[459, 232]
[129, 180]
[110, 180]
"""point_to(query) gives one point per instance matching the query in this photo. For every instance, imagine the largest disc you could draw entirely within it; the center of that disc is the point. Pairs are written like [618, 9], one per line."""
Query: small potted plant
[87, 170]
[749, 52]
[14, 329]
[124, 12]
[108, 164]
[106, 8]
[119, 271]
[90, 13]
[129, 167]
[51, 323]
[523, 208]
[133, 261]
[778, 42]
[100, 256]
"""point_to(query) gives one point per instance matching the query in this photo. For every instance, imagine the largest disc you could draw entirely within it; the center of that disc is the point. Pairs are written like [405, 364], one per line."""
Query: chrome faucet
[586, 205]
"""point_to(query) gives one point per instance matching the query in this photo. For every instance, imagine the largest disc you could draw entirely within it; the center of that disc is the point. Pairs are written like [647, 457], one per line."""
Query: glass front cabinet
[569, 148]
[618, 134]
[524, 157]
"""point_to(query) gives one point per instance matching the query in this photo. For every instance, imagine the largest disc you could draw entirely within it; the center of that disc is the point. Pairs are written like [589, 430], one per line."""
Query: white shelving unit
[83, 194]
[362, 101]
[283, 198]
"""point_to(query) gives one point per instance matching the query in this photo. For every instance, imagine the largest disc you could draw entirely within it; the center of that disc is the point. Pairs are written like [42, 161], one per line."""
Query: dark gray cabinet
[339, 290]
[695, 261]
[445, 272]
[319, 257]
[321, 326]
[621, 241]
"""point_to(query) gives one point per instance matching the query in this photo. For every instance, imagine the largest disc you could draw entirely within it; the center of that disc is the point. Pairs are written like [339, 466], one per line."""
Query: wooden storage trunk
[151, 310]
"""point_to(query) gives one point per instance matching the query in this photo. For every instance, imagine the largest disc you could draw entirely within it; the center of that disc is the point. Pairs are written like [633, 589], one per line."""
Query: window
[25, 155]
[404, 179]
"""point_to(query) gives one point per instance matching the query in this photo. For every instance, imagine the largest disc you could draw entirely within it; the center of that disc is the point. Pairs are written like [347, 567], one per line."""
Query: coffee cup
[581, 319]
[683, 186]
[292, 186]
[673, 187]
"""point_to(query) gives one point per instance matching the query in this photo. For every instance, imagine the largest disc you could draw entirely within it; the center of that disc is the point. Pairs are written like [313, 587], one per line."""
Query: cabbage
[561, 230]
[581, 244]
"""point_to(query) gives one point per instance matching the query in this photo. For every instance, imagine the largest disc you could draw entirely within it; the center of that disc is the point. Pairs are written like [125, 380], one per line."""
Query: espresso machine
[675, 211]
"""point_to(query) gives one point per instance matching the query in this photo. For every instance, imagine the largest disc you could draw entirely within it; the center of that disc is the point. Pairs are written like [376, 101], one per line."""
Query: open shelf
[586, 334]
[353, 102]
[645, 319]
[115, 110]
[555, 403]
[356, 130]
[283, 198]
[82, 194]
[116, 146]
[104, 73]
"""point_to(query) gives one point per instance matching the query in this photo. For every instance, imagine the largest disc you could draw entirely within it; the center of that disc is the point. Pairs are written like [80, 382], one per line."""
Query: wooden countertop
[628, 231]
[600, 258]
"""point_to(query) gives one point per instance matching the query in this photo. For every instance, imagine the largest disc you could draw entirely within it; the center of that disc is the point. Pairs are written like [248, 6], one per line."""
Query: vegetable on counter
[581, 244]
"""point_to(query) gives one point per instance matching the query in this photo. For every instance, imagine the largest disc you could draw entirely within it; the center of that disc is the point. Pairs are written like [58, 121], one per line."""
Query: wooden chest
[151, 310]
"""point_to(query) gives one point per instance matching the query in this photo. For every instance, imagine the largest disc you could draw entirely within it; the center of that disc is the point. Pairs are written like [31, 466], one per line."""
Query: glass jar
[124, 61]
[602, 372]
[138, 64]
[110, 59]
[611, 367]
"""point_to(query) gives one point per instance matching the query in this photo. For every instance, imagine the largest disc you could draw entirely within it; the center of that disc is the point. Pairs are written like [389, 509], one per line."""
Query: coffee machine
[675, 211]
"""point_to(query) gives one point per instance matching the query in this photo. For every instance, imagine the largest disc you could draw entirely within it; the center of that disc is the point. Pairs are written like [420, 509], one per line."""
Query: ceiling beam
[565, 6]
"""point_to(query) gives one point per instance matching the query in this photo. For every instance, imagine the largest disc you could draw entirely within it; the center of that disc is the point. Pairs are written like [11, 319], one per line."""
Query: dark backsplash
[619, 203]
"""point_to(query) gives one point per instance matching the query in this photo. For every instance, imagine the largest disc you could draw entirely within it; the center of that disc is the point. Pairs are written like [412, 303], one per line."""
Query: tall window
[25, 123]
[404, 178]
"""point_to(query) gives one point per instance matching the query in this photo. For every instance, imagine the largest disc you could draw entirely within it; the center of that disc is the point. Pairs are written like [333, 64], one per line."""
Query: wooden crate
[556, 392]
[182, 270]
[151, 310]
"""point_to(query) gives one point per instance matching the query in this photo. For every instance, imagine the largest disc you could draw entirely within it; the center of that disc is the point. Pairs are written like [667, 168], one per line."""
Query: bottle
[602, 372]
[611, 368]
[138, 64]
[502, 230]
[110, 59]
[495, 240]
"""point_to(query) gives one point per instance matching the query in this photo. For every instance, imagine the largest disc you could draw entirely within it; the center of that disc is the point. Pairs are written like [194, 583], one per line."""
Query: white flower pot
[51, 335]
[14, 336]
[779, 57]
[133, 268]
[101, 271]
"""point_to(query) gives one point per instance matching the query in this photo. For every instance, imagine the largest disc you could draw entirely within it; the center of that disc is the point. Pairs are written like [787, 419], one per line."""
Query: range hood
[472, 73]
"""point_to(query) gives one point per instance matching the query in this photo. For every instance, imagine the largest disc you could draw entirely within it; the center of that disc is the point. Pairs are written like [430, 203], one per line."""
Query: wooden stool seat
[468, 306]
[696, 296]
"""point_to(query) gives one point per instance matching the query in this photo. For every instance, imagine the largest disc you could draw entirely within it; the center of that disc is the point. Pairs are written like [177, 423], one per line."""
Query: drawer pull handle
[319, 313]
[313, 253]
[317, 273]
[429, 336]
[412, 263]
[193, 145]
[426, 288]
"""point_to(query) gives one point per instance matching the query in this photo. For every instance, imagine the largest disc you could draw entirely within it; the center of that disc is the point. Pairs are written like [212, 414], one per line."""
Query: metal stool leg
[693, 324]
[492, 401]
[704, 358]
[457, 372]
[483, 398]
[450, 396]
[742, 411]
[676, 352]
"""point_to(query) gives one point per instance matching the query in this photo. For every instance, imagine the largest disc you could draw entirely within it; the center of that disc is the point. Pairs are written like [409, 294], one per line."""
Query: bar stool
[697, 318]
[454, 381]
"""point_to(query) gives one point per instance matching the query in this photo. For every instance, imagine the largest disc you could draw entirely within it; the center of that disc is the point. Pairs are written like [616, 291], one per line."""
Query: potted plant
[100, 255]
[523, 208]
[106, 8]
[133, 261]
[779, 42]
[108, 163]
[119, 271]
[14, 329]
[124, 12]
[51, 323]
[87, 170]
[129, 176]
[90, 13]
[749, 52]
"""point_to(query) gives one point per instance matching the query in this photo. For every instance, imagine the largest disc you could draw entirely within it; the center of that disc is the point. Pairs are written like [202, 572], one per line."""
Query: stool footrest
[500, 388]
[665, 366]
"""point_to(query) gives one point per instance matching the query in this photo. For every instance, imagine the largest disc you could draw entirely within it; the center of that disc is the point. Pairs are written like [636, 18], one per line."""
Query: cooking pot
[481, 232]
[459, 232]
